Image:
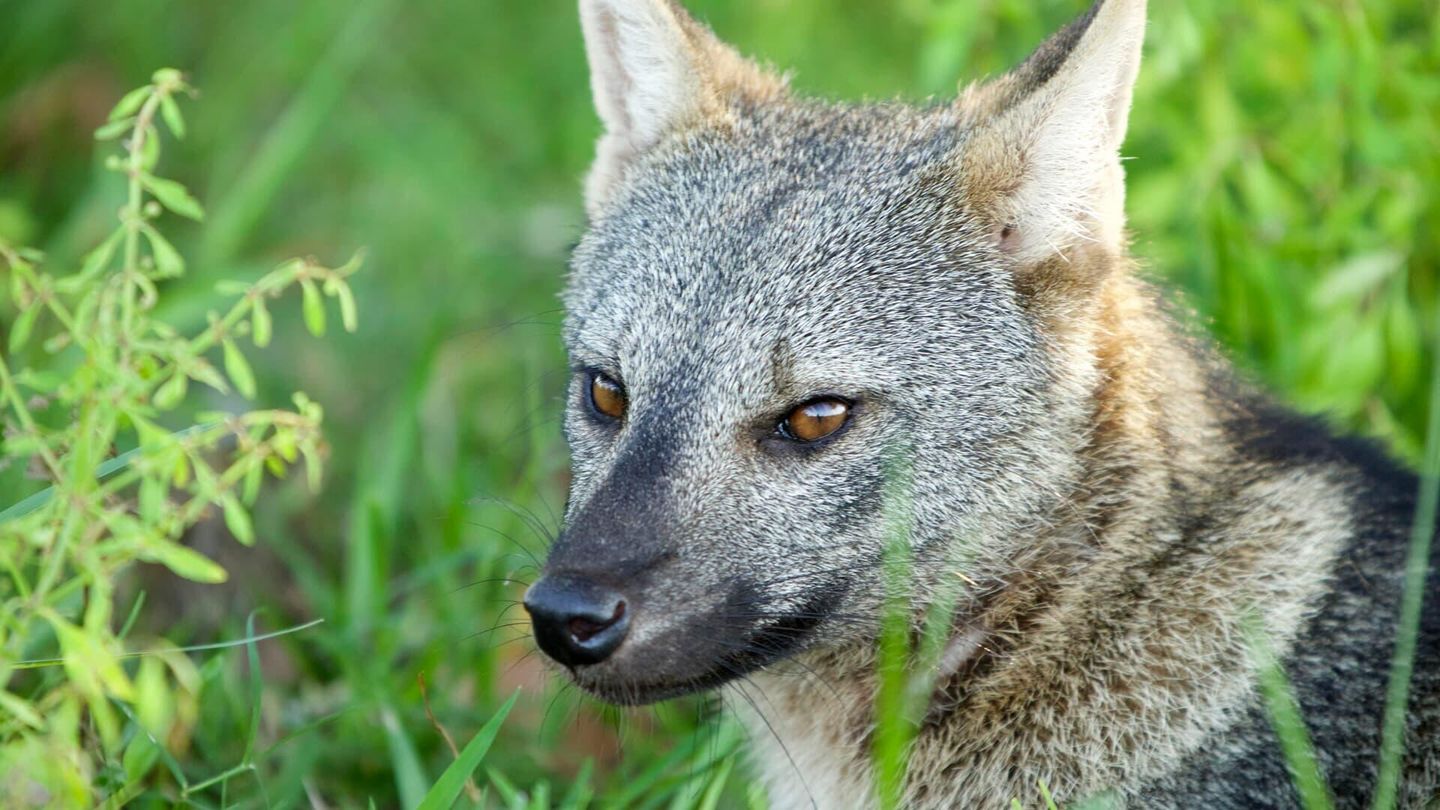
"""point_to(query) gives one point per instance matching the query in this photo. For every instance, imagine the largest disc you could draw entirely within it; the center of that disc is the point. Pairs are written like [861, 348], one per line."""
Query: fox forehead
[785, 238]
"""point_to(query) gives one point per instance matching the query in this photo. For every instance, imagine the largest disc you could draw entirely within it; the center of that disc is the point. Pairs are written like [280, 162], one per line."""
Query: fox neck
[1143, 570]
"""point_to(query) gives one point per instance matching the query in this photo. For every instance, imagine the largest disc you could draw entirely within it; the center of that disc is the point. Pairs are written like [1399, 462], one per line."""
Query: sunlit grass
[1417, 566]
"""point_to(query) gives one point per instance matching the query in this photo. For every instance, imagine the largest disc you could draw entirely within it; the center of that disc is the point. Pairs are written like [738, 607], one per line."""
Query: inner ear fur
[1040, 164]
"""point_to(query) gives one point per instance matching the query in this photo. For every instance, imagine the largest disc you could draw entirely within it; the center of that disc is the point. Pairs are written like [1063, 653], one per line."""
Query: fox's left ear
[1042, 163]
[654, 69]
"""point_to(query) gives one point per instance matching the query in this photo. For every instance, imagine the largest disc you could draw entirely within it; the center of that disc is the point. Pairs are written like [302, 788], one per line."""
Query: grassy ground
[1287, 161]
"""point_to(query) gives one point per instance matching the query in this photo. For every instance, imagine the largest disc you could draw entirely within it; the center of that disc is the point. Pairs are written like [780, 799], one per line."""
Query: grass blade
[711, 799]
[410, 777]
[447, 789]
[36, 663]
[1284, 714]
[1392, 736]
[894, 729]
[580, 793]
[105, 470]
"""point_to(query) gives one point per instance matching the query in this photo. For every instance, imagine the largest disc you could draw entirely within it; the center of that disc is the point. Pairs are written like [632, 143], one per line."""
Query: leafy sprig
[90, 412]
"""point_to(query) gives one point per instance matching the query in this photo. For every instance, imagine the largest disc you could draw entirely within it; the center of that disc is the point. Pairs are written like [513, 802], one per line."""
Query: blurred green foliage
[1285, 175]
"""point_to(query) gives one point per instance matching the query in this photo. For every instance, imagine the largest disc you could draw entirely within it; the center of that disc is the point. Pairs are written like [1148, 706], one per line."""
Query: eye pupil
[607, 396]
[815, 420]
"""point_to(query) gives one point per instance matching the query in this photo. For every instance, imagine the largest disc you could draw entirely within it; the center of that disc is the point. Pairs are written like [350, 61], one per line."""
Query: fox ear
[653, 70]
[1042, 164]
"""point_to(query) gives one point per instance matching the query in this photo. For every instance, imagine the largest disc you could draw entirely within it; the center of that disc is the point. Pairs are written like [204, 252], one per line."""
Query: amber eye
[607, 396]
[815, 420]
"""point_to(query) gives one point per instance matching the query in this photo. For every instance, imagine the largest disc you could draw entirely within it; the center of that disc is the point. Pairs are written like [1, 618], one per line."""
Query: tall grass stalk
[1417, 565]
[893, 731]
[1285, 718]
[908, 651]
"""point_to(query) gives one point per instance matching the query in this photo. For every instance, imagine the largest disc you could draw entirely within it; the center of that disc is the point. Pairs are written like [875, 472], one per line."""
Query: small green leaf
[87, 661]
[24, 324]
[140, 757]
[154, 706]
[174, 196]
[185, 562]
[149, 149]
[20, 710]
[21, 446]
[314, 308]
[171, 392]
[167, 259]
[18, 287]
[170, 111]
[99, 258]
[101, 601]
[260, 326]
[152, 437]
[352, 264]
[43, 382]
[114, 129]
[238, 369]
[152, 499]
[285, 446]
[348, 317]
[56, 343]
[237, 519]
[130, 103]
[86, 312]
[202, 372]
[253, 477]
[102, 714]
[169, 76]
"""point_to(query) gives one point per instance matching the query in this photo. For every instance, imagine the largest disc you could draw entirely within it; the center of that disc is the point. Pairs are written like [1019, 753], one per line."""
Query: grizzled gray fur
[789, 315]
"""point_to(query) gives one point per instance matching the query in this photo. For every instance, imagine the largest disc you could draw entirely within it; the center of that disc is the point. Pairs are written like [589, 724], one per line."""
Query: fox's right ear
[1042, 161]
[653, 70]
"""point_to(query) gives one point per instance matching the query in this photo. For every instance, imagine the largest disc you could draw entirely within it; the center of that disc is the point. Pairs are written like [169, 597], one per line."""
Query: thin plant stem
[1392, 736]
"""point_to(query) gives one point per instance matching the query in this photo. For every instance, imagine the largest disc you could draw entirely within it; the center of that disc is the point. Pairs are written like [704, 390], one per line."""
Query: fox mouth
[763, 646]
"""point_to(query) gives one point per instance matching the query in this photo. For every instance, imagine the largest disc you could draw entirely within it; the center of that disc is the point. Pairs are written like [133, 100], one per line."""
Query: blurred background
[1286, 161]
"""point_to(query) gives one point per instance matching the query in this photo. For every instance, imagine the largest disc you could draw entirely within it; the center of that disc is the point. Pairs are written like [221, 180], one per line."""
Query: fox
[779, 302]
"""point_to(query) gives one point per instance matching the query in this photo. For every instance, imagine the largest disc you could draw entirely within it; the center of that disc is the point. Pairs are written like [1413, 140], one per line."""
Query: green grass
[1417, 564]
[1287, 161]
[1290, 729]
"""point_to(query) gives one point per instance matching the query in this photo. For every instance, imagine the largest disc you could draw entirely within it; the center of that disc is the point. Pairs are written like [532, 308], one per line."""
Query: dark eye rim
[591, 376]
[782, 429]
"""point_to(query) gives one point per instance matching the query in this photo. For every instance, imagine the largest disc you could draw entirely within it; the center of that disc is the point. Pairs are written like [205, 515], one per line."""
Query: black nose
[576, 621]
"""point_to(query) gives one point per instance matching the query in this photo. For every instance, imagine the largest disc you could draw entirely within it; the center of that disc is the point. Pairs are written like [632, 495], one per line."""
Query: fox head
[779, 302]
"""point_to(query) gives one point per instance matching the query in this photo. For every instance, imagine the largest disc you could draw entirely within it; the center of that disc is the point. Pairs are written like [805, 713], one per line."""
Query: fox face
[746, 375]
[787, 317]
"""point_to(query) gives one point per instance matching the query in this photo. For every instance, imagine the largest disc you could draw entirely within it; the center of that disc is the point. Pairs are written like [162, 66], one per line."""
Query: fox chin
[791, 318]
